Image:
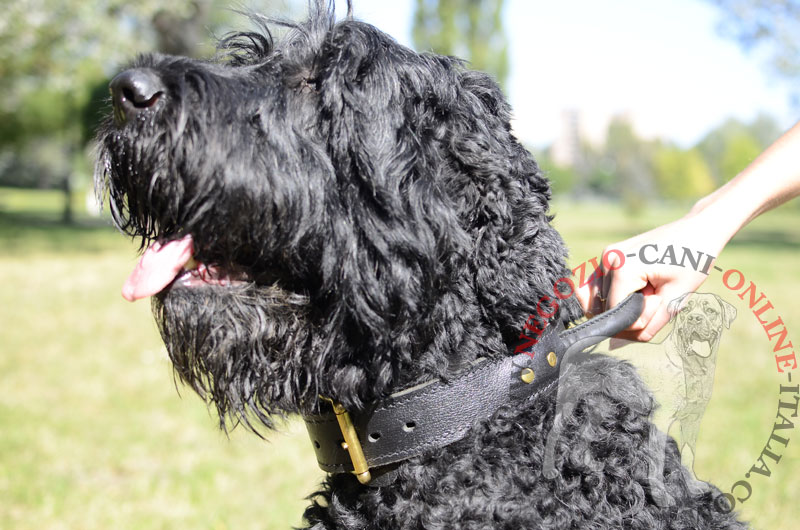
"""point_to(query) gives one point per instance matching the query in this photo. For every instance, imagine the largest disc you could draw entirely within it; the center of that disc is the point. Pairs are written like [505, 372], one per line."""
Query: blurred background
[634, 109]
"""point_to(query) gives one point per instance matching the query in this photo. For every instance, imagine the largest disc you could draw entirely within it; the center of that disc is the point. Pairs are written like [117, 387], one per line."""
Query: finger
[621, 285]
[651, 307]
[660, 319]
[652, 304]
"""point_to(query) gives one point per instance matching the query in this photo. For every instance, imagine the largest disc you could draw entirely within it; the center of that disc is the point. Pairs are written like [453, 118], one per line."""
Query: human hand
[663, 264]
[642, 262]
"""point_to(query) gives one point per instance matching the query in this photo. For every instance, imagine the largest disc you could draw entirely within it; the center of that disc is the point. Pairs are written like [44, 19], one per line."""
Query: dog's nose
[135, 91]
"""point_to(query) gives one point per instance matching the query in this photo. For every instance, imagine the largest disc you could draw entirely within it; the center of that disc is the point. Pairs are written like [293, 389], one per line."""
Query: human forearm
[770, 180]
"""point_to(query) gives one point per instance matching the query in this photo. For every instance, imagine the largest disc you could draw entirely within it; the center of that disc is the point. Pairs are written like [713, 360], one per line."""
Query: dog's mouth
[700, 342]
[173, 263]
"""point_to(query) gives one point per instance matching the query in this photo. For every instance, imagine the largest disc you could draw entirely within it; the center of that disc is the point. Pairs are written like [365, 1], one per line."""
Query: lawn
[94, 435]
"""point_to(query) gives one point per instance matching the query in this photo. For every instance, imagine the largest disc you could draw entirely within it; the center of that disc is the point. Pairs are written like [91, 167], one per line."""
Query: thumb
[620, 283]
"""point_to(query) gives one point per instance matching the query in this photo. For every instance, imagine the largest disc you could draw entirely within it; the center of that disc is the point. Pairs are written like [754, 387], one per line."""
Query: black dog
[336, 215]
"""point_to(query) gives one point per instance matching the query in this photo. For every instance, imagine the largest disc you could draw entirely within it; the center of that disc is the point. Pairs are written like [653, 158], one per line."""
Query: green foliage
[740, 150]
[634, 170]
[54, 53]
[731, 146]
[602, 181]
[56, 58]
[51, 52]
[765, 130]
[562, 179]
[681, 174]
[41, 163]
[471, 29]
[626, 164]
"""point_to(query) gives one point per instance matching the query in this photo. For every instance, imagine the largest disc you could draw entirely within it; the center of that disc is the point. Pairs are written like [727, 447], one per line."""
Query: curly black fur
[391, 230]
[493, 478]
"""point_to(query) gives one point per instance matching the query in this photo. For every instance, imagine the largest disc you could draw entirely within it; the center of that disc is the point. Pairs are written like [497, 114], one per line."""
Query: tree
[770, 24]
[632, 162]
[765, 130]
[730, 147]
[55, 60]
[471, 29]
[52, 56]
[53, 52]
[562, 179]
[681, 174]
[740, 150]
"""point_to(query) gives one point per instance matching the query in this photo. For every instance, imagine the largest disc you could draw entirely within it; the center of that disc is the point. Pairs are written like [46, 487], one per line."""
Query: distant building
[566, 149]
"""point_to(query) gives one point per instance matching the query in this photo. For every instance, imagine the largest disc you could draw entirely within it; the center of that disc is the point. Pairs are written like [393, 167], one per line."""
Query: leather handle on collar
[605, 325]
[438, 413]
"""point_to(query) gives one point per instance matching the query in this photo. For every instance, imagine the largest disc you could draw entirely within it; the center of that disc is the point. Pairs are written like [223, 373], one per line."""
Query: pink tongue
[157, 268]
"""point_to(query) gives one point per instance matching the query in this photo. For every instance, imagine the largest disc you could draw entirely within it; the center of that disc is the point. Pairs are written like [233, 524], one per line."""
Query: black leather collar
[436, 414]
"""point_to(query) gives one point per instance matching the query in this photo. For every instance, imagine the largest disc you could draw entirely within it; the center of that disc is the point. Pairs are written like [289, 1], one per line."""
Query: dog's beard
[155, 182]
[244, 347]
[140, 181]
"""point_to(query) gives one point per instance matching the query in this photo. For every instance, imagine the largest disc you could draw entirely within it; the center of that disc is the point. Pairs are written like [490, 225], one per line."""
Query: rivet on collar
[552, 358]
[527, 375]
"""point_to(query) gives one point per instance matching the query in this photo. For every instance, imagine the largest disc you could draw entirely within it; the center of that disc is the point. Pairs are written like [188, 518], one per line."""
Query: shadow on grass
[25, 232]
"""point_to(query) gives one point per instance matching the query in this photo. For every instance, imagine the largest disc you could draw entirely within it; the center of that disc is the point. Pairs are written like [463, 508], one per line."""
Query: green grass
[93, 434]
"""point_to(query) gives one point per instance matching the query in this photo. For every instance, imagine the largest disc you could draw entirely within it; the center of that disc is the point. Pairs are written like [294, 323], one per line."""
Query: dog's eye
[711, 311]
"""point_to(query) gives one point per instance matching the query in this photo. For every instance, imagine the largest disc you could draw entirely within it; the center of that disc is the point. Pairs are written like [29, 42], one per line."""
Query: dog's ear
[394, 245]
[436, 201]
[517, 256]
[728, 312]
[676, 305]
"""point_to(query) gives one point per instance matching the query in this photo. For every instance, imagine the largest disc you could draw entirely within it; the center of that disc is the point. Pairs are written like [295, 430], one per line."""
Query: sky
[661, 64]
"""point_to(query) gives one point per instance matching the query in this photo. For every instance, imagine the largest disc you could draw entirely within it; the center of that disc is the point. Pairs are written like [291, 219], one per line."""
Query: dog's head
[699, 319]
[330, 214]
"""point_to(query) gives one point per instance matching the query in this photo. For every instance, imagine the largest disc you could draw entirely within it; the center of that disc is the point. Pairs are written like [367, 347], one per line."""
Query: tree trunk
[66, 186]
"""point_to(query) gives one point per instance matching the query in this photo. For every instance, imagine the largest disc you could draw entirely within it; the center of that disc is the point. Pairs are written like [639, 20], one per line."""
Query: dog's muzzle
[436, 414]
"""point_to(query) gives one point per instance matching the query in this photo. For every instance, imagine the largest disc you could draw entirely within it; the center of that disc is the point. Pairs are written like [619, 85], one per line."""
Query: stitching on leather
[436, 441]
[443, 437]
[541, 390]
[596, 320]
[414, 450]
[438, 385]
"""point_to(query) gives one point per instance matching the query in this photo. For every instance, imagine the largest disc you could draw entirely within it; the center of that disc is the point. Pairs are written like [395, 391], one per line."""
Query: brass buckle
[351, 443]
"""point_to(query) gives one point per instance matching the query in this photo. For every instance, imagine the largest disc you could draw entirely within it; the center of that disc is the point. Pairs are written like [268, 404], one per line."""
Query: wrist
[722, 214]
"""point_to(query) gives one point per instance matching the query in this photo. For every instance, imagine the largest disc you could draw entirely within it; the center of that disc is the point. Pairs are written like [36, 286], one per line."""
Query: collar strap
[437, 413]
